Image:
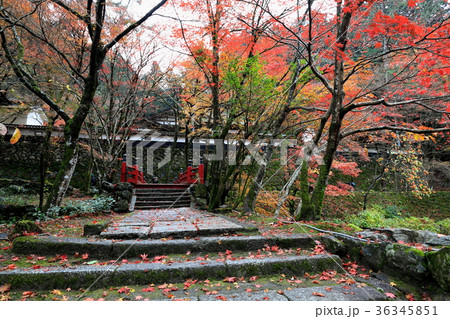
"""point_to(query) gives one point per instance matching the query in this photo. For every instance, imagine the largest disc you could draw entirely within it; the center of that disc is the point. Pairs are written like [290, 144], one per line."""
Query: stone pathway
[189, 236]
[175, 223]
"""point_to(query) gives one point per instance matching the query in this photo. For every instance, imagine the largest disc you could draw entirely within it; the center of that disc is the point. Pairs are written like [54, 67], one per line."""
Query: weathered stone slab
[215, 223]
[295, 265]
[147, 273]
[337, 293]
[131, 223]
[174, 228]
[295, 240]
[223, 243]
[59, 277]
[245, 296]
[134, 248]
[50, 245]
[126, 232]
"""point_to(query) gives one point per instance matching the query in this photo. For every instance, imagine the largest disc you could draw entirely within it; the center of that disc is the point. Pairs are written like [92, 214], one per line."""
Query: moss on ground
[433, 206]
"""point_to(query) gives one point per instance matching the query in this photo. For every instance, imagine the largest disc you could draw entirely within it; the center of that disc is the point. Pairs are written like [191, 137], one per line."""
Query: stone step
[108, 249]
[107, 275]
[138, 204]
[168, 195]
[161, 191]
[164, 197]
[150, 207]
[320, 293]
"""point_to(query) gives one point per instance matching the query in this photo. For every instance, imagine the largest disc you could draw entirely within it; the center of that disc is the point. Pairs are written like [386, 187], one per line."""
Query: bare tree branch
[395, 128]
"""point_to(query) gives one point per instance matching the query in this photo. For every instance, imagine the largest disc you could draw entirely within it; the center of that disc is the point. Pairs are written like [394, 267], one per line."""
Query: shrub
[392, 211]
[95, 205]
[16, 189]
[373, 217]
[444, 226]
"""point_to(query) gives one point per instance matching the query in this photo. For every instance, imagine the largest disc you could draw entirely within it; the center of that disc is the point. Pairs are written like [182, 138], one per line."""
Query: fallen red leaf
[222, 298]
[28, 294]
[390, 295]
[318, 294]
[4, 288]
[124, 290]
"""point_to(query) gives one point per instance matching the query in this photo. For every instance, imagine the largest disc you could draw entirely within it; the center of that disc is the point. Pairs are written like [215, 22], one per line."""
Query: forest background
[360, 86]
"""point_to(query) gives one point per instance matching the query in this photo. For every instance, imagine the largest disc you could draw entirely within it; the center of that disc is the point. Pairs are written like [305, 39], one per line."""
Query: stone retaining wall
[396, 259]
[21, 160]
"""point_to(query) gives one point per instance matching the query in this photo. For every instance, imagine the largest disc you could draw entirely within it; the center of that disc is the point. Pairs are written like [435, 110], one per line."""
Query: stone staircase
[175, 245]
[160, 196]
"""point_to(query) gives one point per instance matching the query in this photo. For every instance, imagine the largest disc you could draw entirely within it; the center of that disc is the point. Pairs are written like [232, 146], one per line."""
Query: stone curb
[147, 273]
[103, 248]
[337, 293]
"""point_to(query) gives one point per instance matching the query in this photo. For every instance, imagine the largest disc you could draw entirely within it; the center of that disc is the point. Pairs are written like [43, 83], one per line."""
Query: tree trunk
[252, 194]
[44, 160]
[250, 198]
[65, 173]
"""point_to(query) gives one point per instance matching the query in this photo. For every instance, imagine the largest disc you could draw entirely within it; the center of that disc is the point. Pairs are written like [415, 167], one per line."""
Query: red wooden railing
[131, 174]
[193, 175]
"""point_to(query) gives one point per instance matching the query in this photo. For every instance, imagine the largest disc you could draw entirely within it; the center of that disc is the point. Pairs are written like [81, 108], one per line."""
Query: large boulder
[333, 245]
[372, 235]
[439, 241]
[439, 266]
[405, 235]
[374, 255]
[408, 261]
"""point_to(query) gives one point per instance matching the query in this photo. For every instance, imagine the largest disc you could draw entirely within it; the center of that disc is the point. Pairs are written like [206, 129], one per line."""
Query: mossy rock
[94, 229]
[354, 228]
[439, 266]
[407, 261]
[121, 206]
[25, 227]
[334, 245]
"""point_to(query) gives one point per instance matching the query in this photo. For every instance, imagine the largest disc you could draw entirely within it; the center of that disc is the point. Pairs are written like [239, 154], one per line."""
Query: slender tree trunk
[311, 210]
[250, 198]
[44, 160]
[65, 173]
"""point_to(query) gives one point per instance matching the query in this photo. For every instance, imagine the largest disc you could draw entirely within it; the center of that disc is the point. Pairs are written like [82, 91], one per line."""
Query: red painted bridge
[156, 195]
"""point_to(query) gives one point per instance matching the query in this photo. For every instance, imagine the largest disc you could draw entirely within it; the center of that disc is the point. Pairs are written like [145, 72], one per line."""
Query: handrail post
[189, 175]
[123, 172]
[201, 173]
